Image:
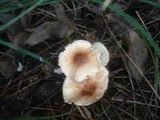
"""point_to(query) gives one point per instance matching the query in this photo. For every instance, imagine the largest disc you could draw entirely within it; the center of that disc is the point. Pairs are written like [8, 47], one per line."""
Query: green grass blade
[143, 33]
[5, 1]
[135, 23]
[155, 65]
[11, 5]
[2, 27]
[39, 118]
[157, 4]
[26, 52]
[7, 9]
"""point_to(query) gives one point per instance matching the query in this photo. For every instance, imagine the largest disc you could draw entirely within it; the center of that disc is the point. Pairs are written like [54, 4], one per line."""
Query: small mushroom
[88, 91]
[104, 54]
[79, 61]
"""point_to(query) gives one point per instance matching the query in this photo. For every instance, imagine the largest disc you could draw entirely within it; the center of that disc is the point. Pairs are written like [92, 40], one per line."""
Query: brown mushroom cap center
[89, 88]
[80, 58]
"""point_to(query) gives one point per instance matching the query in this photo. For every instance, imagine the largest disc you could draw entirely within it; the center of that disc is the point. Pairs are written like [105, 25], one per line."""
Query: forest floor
[31, 84]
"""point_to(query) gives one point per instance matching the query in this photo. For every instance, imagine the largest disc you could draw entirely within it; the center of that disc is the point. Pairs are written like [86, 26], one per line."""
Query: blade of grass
[39, 118]
[142, 31]
[155, 65]
[25, 52]
[135, 23]
[12, 5]
[28, 3]
[7, 9]
[2, 27]
[157, 4]
[145, 35]
[5, 1]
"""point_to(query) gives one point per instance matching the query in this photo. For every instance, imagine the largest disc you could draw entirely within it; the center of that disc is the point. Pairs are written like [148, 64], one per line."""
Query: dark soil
[37, 89]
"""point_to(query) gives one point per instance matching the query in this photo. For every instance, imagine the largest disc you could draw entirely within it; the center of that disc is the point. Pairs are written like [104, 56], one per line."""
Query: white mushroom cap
[104, 54]
[88, 91]
[79, 61]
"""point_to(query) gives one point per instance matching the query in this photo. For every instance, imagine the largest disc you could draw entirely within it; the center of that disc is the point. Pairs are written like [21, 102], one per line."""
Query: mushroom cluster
[86, 76]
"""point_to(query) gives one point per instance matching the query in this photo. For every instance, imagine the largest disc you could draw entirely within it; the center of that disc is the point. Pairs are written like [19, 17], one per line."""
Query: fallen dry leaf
[47, 30]
[123, 5]
[16, 27]
[19, 39]
[7, 66]
[136, 48]
[85, 113]
[60, 12]
[137, 51]
[41, 33]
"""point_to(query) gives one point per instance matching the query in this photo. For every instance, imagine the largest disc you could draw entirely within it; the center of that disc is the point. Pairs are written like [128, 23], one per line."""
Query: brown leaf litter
[136, 47]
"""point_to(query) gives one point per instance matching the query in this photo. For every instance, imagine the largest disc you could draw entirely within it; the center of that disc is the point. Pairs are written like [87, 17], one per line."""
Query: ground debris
[37, 90]
[16, 28]
[137, 51]
[8, 66]
[135, 46]
[47, 30]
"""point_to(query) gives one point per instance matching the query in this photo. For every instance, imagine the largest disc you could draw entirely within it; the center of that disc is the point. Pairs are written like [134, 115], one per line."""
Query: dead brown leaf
[7, 66]
[48, 30]
[137, 51]
[123, 5]
[41, 33]
[16, 27]
[19, 39]
[60, 12]
[136, 48]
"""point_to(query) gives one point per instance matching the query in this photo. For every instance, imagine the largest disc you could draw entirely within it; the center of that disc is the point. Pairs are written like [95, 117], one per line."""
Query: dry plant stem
[39, 105]
[40, 108]
[87, 112]
[156, 84]
[143, 98]
[134, 29]
[3, 92]
[104, 112]
[105, 4]
[74, 7]
[21, 90]
[142, 22]
[156, 81]
[129, 114]
[27, 87]
[133, 87]
[19, 85]
[134, 64]
[96, 110]
[130, 78]
[72, 109]
[136, 102]
[131, 81]
[52, 113]
[81, 112]
[46, 12]
[69, 9]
